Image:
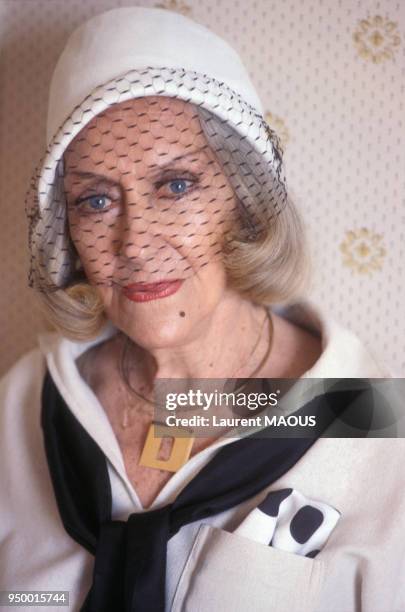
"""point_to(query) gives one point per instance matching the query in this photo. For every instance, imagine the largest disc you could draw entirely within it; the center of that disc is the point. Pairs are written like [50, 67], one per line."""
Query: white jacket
[209, 568]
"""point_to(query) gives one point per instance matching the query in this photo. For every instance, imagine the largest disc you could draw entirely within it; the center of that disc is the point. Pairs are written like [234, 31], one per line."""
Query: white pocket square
[288, 520]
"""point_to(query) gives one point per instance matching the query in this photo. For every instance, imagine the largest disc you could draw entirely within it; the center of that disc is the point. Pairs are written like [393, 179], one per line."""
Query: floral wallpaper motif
[175, 5]
[377, 39]
[278, 125]
[362, 251]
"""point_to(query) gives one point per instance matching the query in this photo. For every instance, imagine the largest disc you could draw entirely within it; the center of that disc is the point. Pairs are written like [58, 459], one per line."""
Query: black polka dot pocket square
[289, 521]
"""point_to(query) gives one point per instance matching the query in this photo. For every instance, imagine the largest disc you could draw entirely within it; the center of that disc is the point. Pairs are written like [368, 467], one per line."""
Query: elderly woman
[163, 243]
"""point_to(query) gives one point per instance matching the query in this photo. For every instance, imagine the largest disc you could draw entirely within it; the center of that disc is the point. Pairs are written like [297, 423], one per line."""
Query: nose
[142, 244]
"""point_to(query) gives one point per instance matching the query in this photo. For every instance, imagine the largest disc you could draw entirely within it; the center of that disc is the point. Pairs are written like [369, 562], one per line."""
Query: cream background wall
[331, 74]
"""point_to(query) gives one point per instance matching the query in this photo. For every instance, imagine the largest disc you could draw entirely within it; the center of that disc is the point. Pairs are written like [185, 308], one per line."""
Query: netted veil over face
[154, 175]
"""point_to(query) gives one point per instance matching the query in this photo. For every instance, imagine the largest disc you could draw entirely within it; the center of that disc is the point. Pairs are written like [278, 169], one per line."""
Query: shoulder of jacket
[24, 379]
[22, 463]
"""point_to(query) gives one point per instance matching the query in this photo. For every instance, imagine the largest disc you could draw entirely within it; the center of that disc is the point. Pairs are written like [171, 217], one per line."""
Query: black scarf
[130, 556]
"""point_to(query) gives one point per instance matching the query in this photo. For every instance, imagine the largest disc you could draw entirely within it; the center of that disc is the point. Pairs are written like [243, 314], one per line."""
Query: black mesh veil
[152, 176]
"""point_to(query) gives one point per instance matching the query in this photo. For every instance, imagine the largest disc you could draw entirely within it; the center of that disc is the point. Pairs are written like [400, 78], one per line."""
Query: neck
[221, 347]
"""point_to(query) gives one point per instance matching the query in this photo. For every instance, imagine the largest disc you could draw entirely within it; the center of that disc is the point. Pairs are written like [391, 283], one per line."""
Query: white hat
[115, 42]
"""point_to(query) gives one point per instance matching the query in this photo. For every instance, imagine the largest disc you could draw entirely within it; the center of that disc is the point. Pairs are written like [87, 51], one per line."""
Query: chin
[171, 321]
[157, 333]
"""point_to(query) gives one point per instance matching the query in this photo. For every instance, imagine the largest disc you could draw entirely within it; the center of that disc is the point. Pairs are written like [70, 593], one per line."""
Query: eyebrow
[88, 174]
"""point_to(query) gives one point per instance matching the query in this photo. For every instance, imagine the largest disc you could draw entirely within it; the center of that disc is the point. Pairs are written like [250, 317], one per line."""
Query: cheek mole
[182, 313]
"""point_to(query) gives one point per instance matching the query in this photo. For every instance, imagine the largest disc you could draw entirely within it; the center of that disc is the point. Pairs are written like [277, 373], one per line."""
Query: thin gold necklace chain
[252, 352]
[252, 375]
[265, 357]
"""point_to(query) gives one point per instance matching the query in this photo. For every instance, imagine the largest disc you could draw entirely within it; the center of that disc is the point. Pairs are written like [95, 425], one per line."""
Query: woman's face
[149, 208]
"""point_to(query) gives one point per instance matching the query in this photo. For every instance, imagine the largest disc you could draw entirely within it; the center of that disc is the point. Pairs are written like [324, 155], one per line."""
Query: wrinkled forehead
[156, 126]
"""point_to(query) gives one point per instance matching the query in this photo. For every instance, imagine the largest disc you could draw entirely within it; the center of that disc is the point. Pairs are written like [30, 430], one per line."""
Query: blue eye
[178, 186]
[97, 202]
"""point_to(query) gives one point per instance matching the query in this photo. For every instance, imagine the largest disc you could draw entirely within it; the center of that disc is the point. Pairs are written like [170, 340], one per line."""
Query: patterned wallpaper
[331, 74]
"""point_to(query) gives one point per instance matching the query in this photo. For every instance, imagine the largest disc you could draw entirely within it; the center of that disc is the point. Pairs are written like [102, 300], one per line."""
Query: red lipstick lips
[145, 292]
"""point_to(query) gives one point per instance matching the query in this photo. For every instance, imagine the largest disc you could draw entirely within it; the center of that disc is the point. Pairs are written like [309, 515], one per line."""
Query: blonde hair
[266, 266]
